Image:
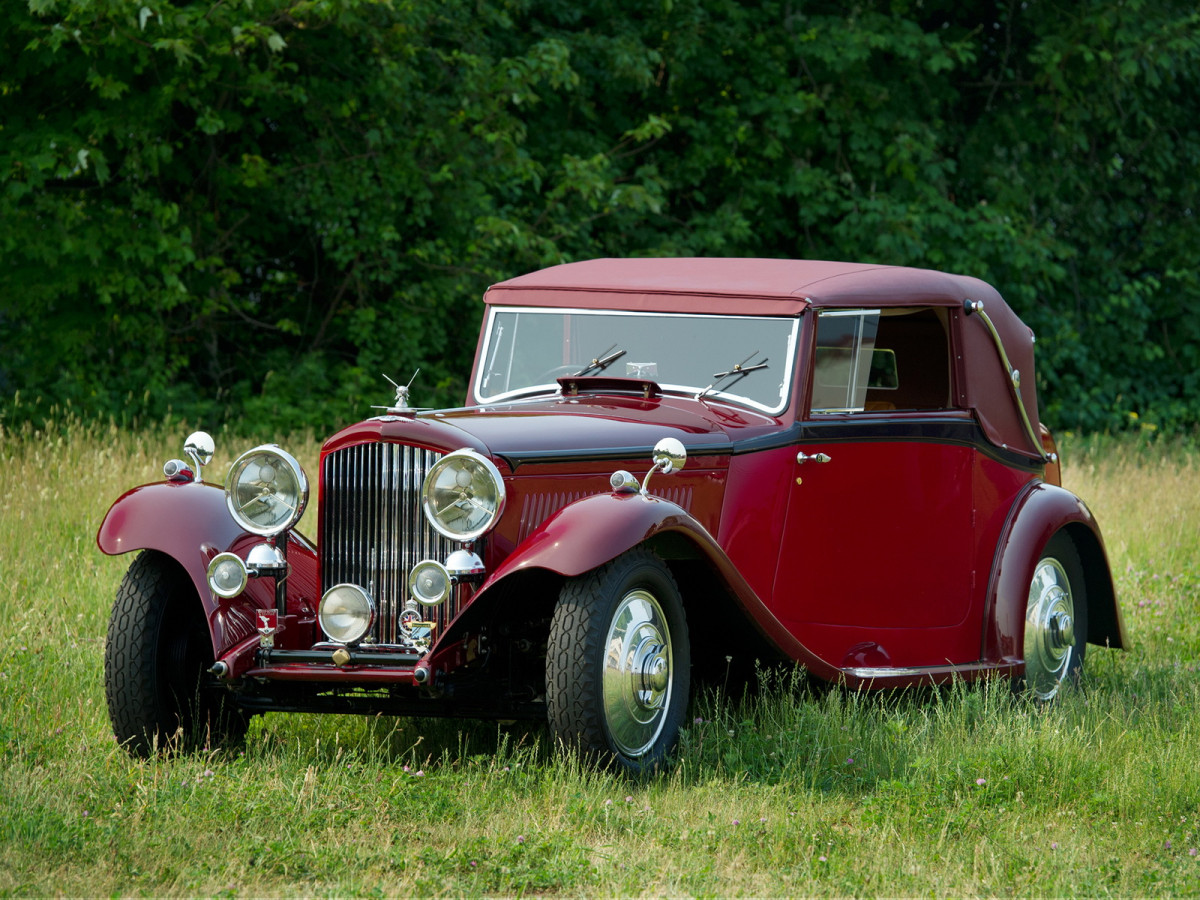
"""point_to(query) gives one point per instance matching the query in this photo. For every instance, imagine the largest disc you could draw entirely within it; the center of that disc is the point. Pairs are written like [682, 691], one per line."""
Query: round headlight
[346, 613]
[429, 582]
[266, 490]
[227, 575]
[463, 495]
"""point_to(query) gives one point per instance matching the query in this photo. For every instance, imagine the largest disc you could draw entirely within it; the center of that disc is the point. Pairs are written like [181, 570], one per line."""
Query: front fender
[1040, 512]
[594, 530]
[190, 523]
[597, 529]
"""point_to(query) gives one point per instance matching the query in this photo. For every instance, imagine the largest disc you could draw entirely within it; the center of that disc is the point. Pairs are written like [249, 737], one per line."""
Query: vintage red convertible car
[662, 465]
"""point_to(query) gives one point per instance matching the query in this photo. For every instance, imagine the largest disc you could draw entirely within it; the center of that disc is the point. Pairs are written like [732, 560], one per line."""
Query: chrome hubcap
[637, 683]
[1049, 629]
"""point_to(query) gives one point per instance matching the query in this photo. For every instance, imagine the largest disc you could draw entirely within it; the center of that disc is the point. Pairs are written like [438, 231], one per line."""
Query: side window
[842, 367]
[881, 360]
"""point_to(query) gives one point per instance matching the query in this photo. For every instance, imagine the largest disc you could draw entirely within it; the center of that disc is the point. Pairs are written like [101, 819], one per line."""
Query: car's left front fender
[190, 523]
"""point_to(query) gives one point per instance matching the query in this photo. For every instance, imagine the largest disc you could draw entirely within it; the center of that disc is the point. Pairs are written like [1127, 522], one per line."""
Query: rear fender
[1040, 512]
[592, 531]
[190, 523]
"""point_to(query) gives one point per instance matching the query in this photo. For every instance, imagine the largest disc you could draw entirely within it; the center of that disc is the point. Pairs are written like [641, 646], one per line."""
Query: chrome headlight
[463, 495]
[429, 582]
[227, 575]
[346, 613]
[266, 490]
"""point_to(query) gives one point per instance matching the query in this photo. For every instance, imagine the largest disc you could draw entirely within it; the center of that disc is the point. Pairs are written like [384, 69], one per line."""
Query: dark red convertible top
[786, 287]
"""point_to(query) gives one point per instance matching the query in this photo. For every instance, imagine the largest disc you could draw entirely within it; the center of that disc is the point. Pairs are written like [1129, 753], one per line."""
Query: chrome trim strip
[965, 670]
[899, 671]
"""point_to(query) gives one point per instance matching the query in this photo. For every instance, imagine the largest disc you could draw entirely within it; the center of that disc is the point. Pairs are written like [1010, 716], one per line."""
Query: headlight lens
[463, 495]
[227, 575]
[346, 613]
[266, 490]
[429, 582]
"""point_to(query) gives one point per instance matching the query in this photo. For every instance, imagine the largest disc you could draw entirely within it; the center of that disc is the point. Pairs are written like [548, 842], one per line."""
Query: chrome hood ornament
[400, 405]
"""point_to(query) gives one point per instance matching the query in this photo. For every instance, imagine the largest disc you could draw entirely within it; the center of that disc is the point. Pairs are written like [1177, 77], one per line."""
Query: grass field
[967, 791]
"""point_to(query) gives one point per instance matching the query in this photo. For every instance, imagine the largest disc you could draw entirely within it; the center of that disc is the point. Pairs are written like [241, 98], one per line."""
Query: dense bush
[241, 209]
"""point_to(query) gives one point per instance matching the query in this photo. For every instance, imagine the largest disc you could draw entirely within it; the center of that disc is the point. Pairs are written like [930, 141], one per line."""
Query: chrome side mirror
[669, 456]
[200, 448]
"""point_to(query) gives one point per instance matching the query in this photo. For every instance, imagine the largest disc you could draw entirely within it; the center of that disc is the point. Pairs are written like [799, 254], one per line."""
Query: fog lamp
[227, 575]
[346, 613]
[429, 582]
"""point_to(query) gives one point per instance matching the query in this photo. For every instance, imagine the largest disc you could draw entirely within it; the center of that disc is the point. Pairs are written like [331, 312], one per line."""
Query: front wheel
[618, 663]
[1055, 620]
[155, 665]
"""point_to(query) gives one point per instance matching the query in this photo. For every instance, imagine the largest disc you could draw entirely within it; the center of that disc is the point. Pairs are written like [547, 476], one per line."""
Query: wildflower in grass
[420, 773]
[697, 721]
[1167, 845]
[821, 859]
[473, 864]
[849, 760]
[1192, 852]
[1054, 845]
[628, 799]
[608, 803]
[981, 781]
[737, 822]
[520, 838]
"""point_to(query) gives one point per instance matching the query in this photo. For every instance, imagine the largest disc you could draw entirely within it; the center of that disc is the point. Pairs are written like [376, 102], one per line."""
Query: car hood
[585, 426]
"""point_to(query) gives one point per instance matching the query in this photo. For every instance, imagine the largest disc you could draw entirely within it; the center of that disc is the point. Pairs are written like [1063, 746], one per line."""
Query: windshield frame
[793, 322]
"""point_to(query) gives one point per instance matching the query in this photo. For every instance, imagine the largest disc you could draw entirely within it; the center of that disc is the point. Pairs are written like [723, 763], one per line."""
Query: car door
[876, 556]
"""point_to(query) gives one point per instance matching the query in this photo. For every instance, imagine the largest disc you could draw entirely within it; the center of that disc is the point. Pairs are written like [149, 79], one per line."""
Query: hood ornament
[400, 404]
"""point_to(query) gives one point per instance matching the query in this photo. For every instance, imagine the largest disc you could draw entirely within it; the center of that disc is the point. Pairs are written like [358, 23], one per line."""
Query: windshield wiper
[601, 362]
[737, 373]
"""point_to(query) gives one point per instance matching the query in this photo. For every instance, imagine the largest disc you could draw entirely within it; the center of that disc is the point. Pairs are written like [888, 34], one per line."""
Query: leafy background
[250, 211]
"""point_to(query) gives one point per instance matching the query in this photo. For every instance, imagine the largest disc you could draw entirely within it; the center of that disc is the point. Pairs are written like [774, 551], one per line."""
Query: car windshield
[526, 350]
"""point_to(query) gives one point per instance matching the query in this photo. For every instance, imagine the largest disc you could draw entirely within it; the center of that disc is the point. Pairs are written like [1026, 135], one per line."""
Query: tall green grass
[795, 791]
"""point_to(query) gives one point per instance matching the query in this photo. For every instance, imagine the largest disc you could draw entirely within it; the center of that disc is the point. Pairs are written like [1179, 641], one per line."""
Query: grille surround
[373, 530]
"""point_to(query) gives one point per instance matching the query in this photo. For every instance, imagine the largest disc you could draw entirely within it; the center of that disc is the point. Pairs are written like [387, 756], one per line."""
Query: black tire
[1056, 621]
[623, 708]
[156, 660]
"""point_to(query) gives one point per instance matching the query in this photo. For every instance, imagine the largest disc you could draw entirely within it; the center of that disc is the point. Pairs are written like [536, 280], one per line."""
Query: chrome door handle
[803, 457]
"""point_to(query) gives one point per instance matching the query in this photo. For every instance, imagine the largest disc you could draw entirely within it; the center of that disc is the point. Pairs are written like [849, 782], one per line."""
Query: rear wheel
[1055, 620]
[155, 665]
[618, 662]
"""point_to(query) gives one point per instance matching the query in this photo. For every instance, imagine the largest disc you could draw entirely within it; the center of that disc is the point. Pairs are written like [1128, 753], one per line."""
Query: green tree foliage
[240, 208]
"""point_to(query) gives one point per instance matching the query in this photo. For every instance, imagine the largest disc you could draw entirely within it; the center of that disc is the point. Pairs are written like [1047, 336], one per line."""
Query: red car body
[898, 537]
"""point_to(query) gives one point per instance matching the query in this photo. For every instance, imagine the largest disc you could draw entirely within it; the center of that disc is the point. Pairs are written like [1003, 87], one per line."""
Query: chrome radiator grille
[373, 529]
